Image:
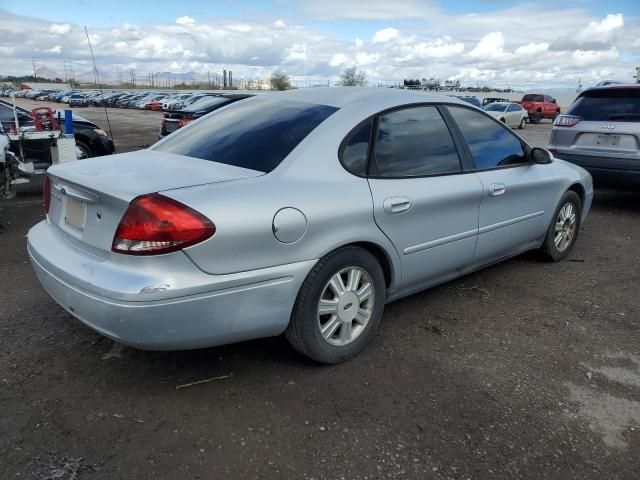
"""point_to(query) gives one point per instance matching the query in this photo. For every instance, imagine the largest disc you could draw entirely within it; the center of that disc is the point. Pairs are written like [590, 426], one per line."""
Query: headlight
[101, 132]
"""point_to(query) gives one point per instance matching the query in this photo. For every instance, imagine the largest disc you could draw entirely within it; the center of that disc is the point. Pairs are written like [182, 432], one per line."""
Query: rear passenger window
[356, 150]
[613, 105]
[491, 144]
[414, 142]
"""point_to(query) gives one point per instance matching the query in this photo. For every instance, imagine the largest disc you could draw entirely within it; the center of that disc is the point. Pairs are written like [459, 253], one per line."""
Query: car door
[517, 202]
[513, 115]
[424, 200]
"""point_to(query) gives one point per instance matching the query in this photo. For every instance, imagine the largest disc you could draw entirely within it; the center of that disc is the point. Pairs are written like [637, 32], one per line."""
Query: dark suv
[601, 132]
[172, 120]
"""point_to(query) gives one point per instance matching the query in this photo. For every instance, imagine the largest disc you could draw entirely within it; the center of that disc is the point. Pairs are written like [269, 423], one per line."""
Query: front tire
[523, 123]
[564, 228]
[339, 306]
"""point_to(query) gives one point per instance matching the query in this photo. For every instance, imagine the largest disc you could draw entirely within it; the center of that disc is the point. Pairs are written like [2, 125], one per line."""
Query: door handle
[393, 205]
[497, 189]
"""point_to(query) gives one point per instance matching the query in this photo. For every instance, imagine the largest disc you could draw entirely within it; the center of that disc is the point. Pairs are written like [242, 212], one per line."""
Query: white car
[511, 114]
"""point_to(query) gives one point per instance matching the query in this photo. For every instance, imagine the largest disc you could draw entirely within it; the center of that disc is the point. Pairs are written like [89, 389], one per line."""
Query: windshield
[206, 102]
[256, 134]
[495, 107]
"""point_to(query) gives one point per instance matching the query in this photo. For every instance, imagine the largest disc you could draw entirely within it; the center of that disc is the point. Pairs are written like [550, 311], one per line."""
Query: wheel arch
[579, 189]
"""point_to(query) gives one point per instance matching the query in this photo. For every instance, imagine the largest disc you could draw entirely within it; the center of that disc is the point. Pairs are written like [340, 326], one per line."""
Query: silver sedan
[301, 212]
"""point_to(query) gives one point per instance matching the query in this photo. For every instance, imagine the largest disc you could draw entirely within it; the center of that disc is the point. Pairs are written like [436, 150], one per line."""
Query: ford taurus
[301, 212]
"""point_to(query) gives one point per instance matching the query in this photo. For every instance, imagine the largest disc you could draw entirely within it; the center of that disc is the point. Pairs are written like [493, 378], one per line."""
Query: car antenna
[95, 69]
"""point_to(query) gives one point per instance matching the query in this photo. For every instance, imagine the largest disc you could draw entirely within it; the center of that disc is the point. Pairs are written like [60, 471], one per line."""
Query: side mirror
[540, 156]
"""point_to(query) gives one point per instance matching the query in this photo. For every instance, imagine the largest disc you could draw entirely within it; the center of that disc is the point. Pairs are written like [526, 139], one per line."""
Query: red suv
[540, 106]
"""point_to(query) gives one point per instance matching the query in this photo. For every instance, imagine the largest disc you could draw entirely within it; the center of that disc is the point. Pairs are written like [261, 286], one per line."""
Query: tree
[352, 78]
[280, 81]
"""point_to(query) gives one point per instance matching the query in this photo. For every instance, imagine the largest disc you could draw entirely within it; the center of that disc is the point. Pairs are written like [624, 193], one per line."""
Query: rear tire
[351, 318]
[563, 231]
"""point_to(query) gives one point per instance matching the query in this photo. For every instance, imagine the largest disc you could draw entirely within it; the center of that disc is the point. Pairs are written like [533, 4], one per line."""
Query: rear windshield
[620, 105]
[532, 98]
[256, 135]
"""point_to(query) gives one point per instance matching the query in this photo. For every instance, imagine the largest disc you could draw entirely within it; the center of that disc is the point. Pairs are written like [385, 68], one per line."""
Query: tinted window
[6, 114]
[255, 134]
[532, 98]
[513, 108]
[356, 150]
[414, 142]
[620, 105]
[491, 144]
[207, 102]
[495, 107]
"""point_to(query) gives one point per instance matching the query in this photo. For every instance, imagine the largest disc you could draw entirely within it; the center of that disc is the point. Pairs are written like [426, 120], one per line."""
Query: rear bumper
[182, 308]
[623, 170]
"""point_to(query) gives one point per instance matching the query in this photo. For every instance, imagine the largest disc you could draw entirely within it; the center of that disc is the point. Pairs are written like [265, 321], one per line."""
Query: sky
[499, 43]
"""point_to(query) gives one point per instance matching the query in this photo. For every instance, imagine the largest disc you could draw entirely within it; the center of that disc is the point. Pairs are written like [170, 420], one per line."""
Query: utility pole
[209, 78]
[33, 60]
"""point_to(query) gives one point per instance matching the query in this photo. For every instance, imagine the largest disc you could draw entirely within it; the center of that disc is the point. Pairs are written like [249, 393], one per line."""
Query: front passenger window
[491, 144]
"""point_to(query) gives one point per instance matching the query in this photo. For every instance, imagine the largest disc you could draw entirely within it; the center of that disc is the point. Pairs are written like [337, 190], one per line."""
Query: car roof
[342, 96]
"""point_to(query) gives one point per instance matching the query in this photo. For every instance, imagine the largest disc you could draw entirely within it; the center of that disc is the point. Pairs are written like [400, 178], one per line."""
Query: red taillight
[566, 120]
[185, 121]
[46, 194]
[155, 224]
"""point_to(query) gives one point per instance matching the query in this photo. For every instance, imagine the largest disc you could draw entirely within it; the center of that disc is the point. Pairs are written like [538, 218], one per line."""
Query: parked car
[601, 132]
[511, 114]
[172, 120]
[486, 101]
[282, 213]
[91, 140]
[175, 102]
[78, 100]
[469, 99]
[540, 106]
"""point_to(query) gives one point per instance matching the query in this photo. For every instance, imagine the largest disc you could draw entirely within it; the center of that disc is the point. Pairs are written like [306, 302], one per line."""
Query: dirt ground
[525, 370]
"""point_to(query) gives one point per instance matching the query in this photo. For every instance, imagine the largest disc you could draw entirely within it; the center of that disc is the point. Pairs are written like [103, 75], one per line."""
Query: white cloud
[185, 20]
[490, 47]
[532, 48]
[59, 28]
[359, 43]
[338, 59]
[7, 50]
[440, 48]
[603, 31]
[364, 59]
[54, 49]
[279, 25]
[385, 35]
[586, 58]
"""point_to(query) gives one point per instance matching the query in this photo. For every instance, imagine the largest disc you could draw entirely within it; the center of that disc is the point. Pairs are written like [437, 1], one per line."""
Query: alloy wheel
[565, 228]
[345, 306]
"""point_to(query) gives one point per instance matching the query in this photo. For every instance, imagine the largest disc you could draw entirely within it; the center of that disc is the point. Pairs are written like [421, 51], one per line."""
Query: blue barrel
[68, 122]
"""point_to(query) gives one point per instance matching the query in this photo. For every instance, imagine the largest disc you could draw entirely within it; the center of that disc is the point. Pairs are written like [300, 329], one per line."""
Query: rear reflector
[566, 120]
[155, 224]
[46, 194]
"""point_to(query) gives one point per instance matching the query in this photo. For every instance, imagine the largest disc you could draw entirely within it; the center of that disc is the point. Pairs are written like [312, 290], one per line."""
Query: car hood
[128, 175]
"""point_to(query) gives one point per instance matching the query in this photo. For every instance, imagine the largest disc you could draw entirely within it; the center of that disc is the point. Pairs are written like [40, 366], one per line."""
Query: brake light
[185, 121]
[566, 120]
[155, 224]
[46, 194]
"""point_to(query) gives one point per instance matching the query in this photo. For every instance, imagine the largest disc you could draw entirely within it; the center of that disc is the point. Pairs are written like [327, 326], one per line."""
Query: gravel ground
[525, 370]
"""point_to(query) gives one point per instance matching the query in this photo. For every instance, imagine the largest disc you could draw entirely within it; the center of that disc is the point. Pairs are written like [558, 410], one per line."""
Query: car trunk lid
[89, 197]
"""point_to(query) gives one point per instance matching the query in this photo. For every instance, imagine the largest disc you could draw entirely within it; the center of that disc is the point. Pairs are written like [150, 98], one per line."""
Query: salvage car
[511, 114]
[91, 140]
[601, 132]
[299, 212]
